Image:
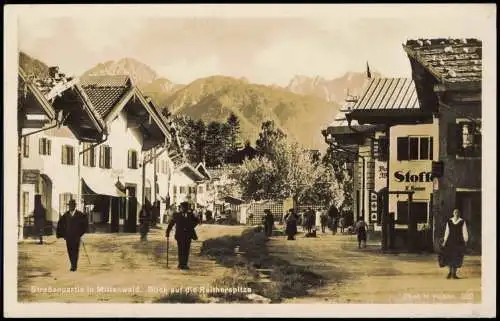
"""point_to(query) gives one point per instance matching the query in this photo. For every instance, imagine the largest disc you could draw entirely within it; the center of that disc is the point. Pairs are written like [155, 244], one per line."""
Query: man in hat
[71, 226]
[184, 222]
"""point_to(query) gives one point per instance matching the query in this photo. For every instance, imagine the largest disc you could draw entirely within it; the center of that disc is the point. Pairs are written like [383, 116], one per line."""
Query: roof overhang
[32, 102]
[390, 117]
[193, 173]
[79, 114]
[148, 120]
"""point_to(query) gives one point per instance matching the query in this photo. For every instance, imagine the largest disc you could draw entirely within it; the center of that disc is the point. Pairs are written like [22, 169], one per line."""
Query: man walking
[71, 226]
[185, 223]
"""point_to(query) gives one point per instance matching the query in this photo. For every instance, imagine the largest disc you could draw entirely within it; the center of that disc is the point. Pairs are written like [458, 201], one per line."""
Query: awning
[98, 186]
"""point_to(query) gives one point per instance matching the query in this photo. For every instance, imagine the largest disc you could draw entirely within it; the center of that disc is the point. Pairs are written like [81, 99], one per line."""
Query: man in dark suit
[71, 226]
[184, 222]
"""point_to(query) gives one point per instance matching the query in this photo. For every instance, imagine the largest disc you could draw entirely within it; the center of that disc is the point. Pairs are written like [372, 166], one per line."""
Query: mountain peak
[140, 73]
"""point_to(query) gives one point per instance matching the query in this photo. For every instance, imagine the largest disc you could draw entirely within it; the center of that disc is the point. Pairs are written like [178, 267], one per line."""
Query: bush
[238, 278]
[176, 297]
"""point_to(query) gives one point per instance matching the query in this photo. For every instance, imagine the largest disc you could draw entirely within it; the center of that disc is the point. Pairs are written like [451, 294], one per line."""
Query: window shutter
[109, 158]
[72, 150]
[129, 159]
[431, 148]
[453, 138]
[402, 148]
[49, 147]
[101, 156]
[63, 153]
[40, 146]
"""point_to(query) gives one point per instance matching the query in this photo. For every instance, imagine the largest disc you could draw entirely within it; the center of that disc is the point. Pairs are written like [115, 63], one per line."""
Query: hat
[184, 204]
[72, 202]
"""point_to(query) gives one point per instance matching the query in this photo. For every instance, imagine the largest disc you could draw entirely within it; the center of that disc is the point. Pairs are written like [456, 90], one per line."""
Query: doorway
[45, 189]
[131, 219]
[469, 204]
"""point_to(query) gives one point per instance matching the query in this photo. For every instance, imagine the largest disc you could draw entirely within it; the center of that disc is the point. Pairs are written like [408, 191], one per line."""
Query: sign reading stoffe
[409, 177]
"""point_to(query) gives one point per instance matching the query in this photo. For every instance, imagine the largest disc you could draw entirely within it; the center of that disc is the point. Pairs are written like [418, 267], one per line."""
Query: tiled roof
[388, 94]
[105, 91]
[106, 81]
[449, 60]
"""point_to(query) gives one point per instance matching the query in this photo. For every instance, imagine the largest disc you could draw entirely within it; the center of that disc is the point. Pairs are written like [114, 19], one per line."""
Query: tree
[216, 143]
[268, 139]
[340, 162]
[234, 136]
[289, 173]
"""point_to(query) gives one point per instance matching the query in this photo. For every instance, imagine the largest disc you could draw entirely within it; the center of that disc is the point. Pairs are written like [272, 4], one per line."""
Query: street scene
[264, 160]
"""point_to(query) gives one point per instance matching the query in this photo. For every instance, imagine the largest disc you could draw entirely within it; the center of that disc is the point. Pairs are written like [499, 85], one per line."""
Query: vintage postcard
[190, 160]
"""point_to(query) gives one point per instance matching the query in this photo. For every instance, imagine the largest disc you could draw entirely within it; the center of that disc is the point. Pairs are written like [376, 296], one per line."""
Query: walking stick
[167, 250]
[85, 250]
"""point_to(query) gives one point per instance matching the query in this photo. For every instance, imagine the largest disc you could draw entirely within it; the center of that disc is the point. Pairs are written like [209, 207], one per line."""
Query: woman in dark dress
[291, 224]
[39, 215]
[361, 232]
[454, 242]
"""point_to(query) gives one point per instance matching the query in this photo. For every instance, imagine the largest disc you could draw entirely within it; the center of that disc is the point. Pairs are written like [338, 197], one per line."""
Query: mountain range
[300, 109]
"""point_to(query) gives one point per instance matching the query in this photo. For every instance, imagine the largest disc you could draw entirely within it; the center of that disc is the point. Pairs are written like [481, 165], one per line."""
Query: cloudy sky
[266, 45]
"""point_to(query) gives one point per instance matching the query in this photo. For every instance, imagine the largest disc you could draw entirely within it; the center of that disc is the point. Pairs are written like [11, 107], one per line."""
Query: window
[132, 159]
[418, 211]
[200, 189]
[192, 189]
[175, 189]
[44, 146]
[182, 190]
[88, 155]
[469, 139]
[63, 202]
[105, 156]
[67, 155]
[415, 148]
[26, 147]
[157, 165]
[26, 203]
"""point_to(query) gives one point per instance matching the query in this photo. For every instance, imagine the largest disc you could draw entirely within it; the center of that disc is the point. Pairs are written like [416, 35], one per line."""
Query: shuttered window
[26, 146]
[44, 146]
[67, 155]
[26, 203]
[132, 159]
[182, 190]
[88, 155]
[105, 156]
[467, 139]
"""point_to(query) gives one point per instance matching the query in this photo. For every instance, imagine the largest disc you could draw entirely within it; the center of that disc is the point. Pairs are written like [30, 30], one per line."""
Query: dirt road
[121, 268]
[368, 276]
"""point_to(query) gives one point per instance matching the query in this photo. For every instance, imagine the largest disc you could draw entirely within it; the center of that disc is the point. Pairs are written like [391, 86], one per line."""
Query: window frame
[132, 160]
[68, 155]
[475, 150]
[105, 162]
[404, 142]
[44, 146]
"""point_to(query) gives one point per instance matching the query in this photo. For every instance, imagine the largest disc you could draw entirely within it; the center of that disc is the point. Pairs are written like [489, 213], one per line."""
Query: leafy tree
[269, 137]
[289, 173]
[340, 162]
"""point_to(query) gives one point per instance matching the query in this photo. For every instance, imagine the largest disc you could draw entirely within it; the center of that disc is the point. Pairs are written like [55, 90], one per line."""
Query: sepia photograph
[190, 160]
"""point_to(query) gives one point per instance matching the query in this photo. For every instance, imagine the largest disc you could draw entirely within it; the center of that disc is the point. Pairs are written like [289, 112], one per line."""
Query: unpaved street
[368, 276]
[119, 262]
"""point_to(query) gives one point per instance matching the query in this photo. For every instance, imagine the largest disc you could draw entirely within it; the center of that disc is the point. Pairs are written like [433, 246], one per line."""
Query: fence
[255, 211]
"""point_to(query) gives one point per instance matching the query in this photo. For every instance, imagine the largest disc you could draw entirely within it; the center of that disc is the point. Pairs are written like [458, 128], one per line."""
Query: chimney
[368, 73]
[53, 71]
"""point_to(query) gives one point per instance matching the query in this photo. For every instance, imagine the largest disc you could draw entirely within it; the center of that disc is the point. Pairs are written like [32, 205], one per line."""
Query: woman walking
[454, 242]
[291, 224]
[39, 215]
[361, 232]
